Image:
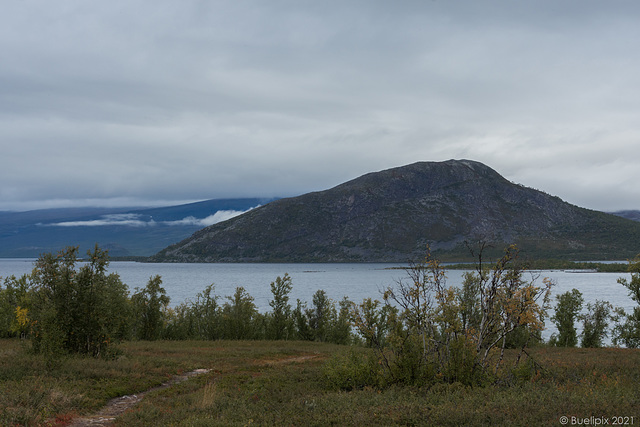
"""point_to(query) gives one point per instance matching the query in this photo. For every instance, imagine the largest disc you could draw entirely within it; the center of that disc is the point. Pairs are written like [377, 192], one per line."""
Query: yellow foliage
[21, 321]
[21, 316]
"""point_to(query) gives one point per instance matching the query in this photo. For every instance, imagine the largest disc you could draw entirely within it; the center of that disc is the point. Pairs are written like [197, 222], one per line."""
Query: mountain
[123, 231]
[633, 215]
[394, 214]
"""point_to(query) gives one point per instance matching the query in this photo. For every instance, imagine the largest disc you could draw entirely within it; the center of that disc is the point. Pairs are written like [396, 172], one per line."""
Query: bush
[596, 324]
[301, 322]
[199, 319]
[566, 312]
[240, 317]
[14, 300]
[150, 310]
[437, 333]
[321, 316]
[76, 310]
[352, 369]
[372, 320]
[628, 333]
[205, 312]
[340, 330]
[280, 324]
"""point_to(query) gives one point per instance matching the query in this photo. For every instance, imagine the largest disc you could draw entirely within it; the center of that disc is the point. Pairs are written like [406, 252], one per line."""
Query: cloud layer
[123, 103]
[137, 220]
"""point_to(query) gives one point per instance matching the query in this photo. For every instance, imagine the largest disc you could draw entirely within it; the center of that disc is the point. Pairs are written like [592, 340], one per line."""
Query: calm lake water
[356, 281]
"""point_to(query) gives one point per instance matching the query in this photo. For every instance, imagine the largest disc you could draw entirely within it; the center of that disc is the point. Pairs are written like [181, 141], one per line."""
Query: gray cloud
[150, 102]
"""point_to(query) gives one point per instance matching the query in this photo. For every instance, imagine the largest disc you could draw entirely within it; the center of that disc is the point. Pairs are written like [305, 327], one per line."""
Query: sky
[156, 102]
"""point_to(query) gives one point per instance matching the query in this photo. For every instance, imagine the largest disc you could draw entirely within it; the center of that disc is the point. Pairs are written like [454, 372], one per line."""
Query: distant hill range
[633, 215]
[123, 231]
[394, 214]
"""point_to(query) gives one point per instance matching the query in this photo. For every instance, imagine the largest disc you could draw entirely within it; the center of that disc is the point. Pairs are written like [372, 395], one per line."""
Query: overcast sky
[161, 102]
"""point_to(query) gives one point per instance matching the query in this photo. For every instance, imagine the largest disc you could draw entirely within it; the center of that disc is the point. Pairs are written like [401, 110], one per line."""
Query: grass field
[282, 383]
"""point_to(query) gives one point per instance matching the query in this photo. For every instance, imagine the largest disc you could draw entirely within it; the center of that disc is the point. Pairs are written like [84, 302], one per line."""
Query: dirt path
[117, 406]
[107, 415]
[286, 360]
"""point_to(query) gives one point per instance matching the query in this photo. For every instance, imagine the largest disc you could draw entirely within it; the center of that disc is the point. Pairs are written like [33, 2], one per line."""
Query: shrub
[372, 320]
[628, 333]
[150, 310]
[321, 315]
[439, 333]
[303, 330]
[206, 314]
[340, 330]
[76, 310]
[240, 317]
[352, 369]
[595, 324]
[14, 300]
[279, 321]
[180, 324]
[566, 312]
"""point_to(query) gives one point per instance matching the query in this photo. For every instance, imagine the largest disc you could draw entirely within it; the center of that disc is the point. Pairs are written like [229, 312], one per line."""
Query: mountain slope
[124, 231]
[392, 215]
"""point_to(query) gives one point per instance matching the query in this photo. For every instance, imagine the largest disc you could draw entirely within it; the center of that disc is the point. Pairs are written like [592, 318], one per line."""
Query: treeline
[560, 264]
[421, 332]
[63, 307]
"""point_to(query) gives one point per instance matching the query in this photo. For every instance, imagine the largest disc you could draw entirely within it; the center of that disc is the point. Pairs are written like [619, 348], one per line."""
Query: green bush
[628, 333]
[150, 310]
[14, 300]
[205, 312]
[280, 325]
[301, 322]
[76, 310]
[340, 329]
[524, 372]
[352, 369]
[461, 366]
[200, 319]
[566, 312]
[321, 316]
[595, 324]
[372, 320]
[240, 317]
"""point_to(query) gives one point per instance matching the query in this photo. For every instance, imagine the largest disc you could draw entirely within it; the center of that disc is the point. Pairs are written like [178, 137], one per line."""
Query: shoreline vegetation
[550, 265]
[72, 338]
[613, 266]
[538, 264]
[554, 264]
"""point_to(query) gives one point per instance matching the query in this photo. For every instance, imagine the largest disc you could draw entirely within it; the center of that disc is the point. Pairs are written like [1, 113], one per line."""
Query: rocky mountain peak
[392, 215]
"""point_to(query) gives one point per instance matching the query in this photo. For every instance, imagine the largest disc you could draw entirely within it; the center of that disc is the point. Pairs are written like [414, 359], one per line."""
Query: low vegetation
[286, 383]
[426, 332]
[426, 353]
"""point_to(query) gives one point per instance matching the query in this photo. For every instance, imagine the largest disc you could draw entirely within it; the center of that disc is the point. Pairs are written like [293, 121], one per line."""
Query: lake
[356, 281]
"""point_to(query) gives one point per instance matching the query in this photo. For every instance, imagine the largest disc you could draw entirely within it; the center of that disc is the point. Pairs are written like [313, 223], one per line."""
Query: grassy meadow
[284, 383]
